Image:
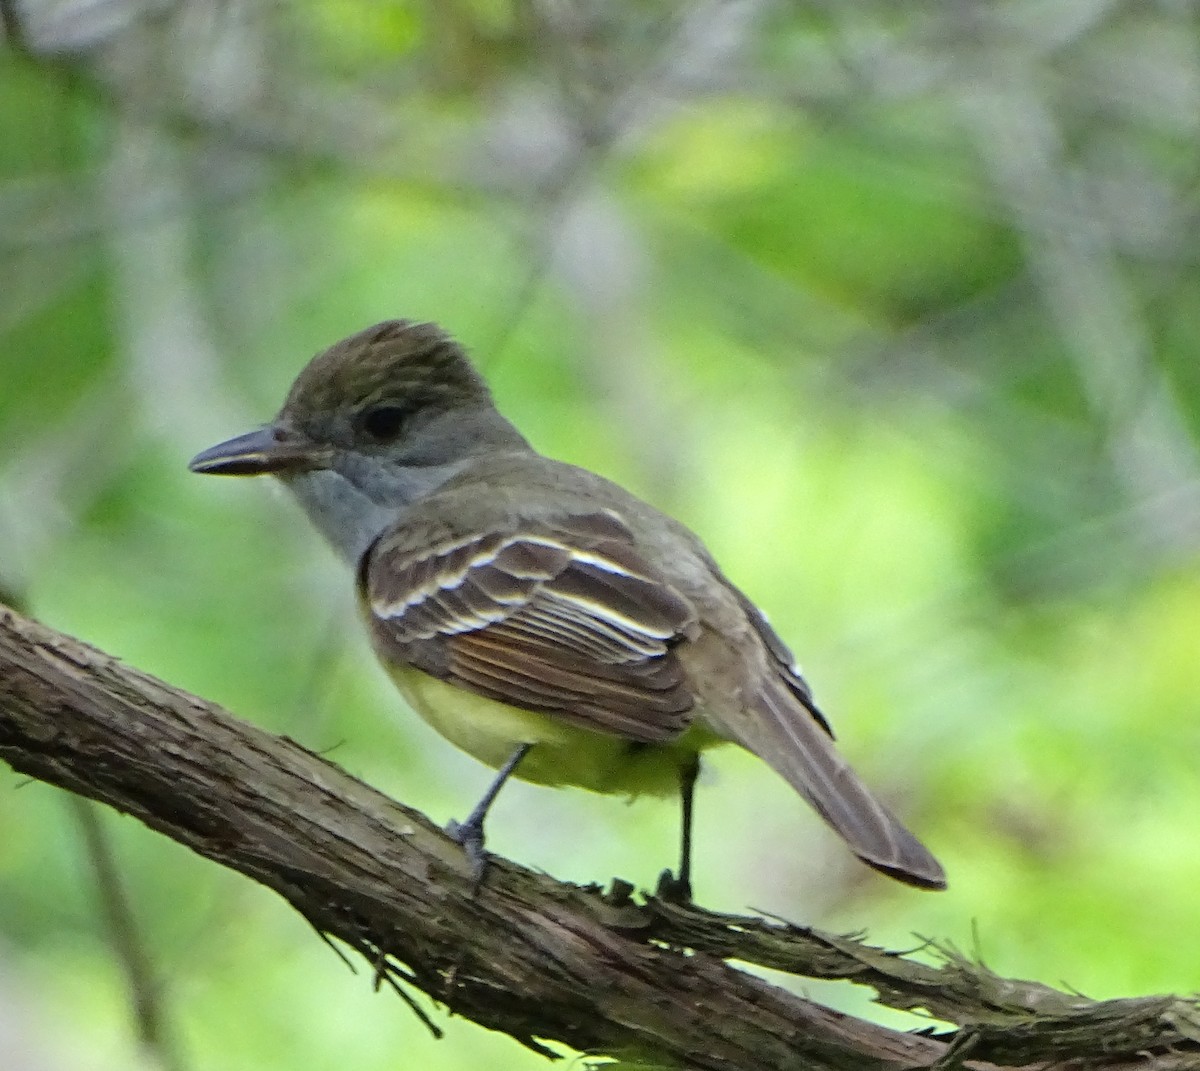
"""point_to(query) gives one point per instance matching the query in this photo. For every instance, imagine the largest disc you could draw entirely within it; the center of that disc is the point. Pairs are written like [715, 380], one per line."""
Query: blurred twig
[150, 1016]
[597, 105]
[14, 26]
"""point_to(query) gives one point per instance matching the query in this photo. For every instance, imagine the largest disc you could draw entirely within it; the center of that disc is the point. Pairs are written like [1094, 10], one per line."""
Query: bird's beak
[265, 451]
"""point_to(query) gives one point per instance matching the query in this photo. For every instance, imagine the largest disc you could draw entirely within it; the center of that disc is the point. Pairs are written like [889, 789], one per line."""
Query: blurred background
[897, 307]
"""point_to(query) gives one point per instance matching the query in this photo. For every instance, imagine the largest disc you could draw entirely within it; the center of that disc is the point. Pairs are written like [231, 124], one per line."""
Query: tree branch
[530, 956]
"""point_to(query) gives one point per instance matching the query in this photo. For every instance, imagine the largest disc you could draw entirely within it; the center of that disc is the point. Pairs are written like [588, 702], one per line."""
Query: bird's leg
[678, 889]
[469, 833]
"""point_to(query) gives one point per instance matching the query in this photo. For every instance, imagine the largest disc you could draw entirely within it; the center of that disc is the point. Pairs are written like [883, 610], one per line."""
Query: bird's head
[370, 426]
[399, 394]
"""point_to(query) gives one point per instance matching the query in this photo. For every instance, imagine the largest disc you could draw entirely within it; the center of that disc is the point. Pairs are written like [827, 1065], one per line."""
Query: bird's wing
[561, 616]
[783, 660]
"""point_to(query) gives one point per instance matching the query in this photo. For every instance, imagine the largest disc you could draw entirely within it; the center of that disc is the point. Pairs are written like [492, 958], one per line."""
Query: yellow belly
[563, 754]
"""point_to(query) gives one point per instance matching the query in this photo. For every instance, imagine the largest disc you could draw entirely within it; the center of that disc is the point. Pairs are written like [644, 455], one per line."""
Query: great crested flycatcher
[539, 616]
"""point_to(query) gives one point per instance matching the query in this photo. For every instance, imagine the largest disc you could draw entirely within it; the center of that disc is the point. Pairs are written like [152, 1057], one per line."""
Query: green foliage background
[897, 308]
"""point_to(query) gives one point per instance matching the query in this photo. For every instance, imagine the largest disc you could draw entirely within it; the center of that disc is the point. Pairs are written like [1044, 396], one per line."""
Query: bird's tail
[788, 736]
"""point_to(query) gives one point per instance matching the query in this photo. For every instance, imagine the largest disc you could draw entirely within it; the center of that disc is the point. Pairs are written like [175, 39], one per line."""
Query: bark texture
[535, 958]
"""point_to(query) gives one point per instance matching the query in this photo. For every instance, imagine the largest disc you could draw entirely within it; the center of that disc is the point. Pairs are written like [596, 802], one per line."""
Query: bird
[539, 616]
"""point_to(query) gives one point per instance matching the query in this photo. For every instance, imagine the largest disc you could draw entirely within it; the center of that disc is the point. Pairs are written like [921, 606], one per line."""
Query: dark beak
[264, 451]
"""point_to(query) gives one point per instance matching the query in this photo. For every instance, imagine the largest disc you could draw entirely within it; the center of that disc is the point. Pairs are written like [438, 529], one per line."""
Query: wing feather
[561, 616]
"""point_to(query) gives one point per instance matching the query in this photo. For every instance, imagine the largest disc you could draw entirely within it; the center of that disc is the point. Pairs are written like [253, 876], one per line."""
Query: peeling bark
[535, 958]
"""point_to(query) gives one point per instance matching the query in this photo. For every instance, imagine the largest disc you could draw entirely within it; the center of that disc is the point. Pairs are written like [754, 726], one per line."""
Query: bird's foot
[470, 835]
[675, 890]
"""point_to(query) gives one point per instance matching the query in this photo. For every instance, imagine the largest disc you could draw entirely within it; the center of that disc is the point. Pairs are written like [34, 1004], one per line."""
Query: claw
[470, 836]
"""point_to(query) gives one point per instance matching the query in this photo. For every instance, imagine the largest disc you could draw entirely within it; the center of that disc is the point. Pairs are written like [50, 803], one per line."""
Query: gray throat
[351, 514]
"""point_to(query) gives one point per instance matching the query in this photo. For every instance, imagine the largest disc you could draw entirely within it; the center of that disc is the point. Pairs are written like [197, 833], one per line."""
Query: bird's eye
[383, 422]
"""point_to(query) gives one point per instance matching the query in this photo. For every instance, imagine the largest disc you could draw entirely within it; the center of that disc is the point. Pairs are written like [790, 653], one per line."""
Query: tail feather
[790, 739]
